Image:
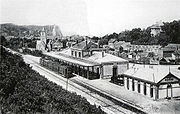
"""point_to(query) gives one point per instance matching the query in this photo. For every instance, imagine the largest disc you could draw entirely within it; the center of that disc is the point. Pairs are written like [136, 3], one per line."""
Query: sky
[89, 17]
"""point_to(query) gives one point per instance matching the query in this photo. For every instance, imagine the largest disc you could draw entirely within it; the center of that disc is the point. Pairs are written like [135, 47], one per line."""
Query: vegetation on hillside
[170, 34]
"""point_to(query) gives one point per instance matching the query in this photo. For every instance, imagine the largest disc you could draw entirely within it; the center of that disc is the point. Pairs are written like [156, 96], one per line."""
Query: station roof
[154, 73]
[71, 59]
[97, 57]
[107, 58]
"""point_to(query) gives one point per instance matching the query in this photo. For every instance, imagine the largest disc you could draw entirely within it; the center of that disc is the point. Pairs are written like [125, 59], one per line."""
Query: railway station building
[157, 83]
[89, 61]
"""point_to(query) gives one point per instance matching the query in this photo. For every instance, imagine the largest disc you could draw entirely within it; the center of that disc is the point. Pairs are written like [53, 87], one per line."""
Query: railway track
[122, 103]
[117, 101]
[74, 86]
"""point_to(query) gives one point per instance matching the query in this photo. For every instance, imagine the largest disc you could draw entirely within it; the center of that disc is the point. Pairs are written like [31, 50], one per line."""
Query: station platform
[138, 100]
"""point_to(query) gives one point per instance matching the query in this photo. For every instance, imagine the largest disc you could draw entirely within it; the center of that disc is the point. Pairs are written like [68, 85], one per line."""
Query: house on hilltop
[156, 29]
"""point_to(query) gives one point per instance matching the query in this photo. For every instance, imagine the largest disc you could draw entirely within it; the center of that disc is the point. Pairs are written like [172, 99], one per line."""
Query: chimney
[102, 53]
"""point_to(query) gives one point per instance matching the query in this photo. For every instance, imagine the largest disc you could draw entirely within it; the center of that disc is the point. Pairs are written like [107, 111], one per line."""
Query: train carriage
[64, 70]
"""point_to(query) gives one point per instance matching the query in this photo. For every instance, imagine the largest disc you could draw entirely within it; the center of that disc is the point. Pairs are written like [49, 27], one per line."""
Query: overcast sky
[90, 17]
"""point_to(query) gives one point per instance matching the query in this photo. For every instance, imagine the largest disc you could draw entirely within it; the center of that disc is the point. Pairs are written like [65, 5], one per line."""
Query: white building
[155, 82]
[156, 29]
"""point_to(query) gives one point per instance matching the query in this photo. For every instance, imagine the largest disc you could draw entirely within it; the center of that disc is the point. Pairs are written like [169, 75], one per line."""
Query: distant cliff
[10, 29]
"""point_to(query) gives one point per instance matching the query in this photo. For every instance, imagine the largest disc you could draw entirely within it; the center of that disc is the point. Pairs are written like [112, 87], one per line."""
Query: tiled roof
[84, 45]
[71, 59]
[80, 45]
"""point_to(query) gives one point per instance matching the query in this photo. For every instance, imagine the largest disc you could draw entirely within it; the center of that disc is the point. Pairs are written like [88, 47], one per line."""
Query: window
[75, 54]
[72, 53]
[133, 85]
[79, 54]
[145, 89]
[151, 90]
[139, 87]
[97, 70]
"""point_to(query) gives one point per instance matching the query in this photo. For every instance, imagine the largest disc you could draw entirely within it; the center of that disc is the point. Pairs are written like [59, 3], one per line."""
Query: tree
[95, 39]
[103, 42]
[172, 30]
[3, 41]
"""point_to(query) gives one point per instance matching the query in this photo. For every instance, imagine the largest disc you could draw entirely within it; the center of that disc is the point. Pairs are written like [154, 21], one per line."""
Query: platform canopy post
[171, 92]
[88, 72]
[156, 92]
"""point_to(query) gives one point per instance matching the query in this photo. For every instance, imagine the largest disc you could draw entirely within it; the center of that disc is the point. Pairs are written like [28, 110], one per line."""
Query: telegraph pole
[67, 84]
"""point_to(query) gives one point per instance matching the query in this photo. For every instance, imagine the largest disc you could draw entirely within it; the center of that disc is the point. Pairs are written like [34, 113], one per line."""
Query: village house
[89, 51]
[156, 29]
[83, 49]
[145, 48]
[171, 52]
[111, 43]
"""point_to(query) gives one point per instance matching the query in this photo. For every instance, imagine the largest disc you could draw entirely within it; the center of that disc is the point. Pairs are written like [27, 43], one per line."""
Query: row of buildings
[88, 56]
[155, 82]
[148, 54]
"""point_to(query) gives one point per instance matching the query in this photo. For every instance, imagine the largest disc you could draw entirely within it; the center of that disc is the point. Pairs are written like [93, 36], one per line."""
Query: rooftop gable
[170, 78]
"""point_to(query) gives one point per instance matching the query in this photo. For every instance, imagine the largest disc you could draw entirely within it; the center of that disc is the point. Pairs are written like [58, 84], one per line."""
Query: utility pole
[67, 84]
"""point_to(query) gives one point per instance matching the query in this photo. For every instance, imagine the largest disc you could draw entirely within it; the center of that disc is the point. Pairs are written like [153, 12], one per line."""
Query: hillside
[10, 29]
[170, 34]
